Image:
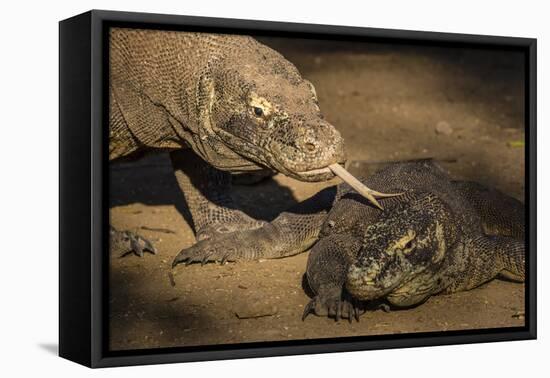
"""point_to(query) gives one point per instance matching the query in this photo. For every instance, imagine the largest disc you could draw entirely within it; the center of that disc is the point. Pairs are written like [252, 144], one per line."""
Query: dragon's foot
[125, 242]
[215, 230]
[333, 305]
[215, 249]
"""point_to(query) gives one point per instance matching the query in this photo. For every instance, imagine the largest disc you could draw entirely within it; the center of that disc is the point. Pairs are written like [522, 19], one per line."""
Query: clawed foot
[333, 307]
[205, 251]
[223, 243]
[126, 242]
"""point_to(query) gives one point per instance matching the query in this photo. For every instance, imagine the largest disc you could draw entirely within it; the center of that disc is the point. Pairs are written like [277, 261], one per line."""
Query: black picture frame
[83, 196]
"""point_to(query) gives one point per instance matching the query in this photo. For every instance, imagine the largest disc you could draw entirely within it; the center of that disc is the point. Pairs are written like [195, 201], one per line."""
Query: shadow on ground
[51, 348]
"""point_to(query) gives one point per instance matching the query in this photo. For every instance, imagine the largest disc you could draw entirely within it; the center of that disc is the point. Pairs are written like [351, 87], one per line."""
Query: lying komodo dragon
[439, 237]
[220, 104]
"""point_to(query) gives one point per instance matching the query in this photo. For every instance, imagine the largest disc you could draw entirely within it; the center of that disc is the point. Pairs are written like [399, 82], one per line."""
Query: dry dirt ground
[464, 107]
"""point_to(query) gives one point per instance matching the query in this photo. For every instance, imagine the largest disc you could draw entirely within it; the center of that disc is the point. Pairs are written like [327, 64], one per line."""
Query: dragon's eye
[258, 111]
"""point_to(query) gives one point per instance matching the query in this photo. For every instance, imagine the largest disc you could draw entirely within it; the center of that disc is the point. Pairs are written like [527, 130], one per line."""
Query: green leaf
[516, 144]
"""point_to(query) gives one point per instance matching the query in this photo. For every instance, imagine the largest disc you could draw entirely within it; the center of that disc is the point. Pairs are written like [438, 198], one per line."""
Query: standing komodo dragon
[219, 104]
[439, 237]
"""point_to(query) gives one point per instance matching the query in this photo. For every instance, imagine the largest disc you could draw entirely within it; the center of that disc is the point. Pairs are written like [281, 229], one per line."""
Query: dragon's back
[156, 77]
[411, 178]
[164, 67]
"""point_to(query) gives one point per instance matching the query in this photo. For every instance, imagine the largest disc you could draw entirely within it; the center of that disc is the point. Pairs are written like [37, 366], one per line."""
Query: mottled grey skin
[219, 104]
[440, 237]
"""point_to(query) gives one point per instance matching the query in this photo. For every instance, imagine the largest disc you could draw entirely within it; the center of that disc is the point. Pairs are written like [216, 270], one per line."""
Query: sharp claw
[349, 308]
[135, 246]
[205, 259]
[140, 245]
[178, 259]
[132, 243]
[307, 310]
[124, 254]
[150, 247]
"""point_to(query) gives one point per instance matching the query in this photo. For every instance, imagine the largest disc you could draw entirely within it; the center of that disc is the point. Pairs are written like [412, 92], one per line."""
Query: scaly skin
[440, 237]
[238, 105]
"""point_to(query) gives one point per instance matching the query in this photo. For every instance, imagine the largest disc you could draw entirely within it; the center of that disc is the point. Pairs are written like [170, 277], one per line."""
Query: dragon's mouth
[313, 175]
[315, 171]
[330, 167]
[254, 157]
[368, 283]
[323, 173]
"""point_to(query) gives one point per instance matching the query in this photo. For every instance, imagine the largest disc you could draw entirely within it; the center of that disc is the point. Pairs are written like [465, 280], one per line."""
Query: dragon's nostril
[310, 147]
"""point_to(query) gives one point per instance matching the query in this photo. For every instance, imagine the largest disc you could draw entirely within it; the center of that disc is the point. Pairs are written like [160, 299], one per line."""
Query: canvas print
[272, 188]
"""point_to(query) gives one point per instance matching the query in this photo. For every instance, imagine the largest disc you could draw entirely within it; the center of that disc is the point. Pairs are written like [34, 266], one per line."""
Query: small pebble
[443, 128]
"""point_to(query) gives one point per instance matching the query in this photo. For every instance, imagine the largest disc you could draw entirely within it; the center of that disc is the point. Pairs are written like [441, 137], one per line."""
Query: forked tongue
[366, 192]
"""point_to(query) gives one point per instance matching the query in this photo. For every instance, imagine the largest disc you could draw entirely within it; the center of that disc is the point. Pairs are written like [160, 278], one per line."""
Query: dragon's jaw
[296, 161]
[374, 281]
[312, 175]
[239, 154]
[377, 281]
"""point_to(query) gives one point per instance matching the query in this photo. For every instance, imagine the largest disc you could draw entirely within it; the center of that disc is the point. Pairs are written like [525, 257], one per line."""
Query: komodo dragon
[439, 237]
[220, 104]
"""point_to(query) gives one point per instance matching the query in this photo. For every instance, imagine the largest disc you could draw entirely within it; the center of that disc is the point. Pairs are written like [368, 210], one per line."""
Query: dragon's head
[405, 241]
[260, 108]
